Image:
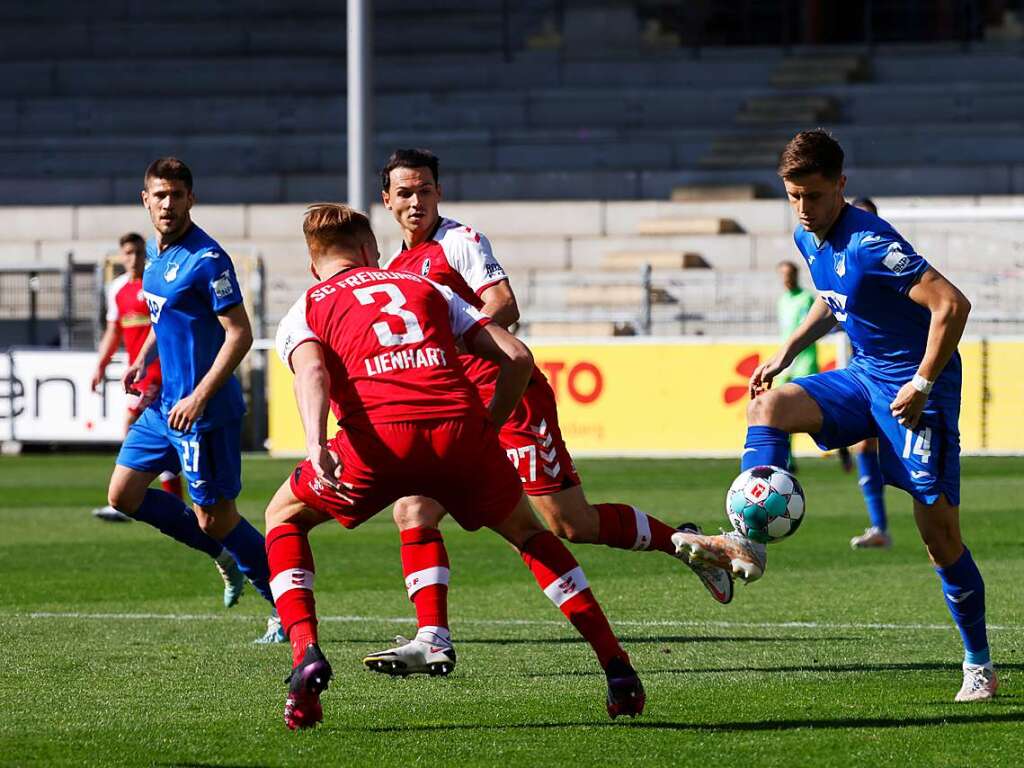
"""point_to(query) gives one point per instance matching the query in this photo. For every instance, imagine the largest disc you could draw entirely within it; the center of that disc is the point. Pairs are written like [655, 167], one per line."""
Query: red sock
[425, 567]
[623, 527]
[562, 580]
[172, 486]
[291, 582]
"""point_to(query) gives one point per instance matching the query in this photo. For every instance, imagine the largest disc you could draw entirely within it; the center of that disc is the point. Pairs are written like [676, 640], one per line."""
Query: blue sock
[873, 488]
[964, 591]
[765, 445]
[247, 546]
[169, 515]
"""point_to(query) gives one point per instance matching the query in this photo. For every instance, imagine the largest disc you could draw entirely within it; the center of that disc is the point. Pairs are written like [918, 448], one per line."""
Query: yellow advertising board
[678, 398]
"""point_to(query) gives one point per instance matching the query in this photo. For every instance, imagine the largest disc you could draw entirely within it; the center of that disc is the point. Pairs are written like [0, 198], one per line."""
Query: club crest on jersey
[895, 259]
[840, 263]
[425, 269]
[171, 272]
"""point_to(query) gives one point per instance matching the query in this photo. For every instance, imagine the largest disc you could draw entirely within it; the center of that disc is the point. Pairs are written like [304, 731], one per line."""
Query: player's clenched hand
[765, 373]
[326, 464]
[906, 408]
[186, 412]
[132, 374]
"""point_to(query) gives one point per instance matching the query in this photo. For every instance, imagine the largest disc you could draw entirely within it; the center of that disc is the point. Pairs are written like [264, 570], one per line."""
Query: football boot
[625, 691]
[716, 580]
[743, 557]
[980, 683]
[410, 657]
[305, 684]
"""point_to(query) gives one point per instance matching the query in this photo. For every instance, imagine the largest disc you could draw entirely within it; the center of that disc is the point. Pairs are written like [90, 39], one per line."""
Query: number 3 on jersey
[395, 307]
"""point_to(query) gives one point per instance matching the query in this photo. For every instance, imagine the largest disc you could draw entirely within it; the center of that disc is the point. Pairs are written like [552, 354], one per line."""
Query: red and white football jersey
[389, 342]
[127, 307]
[460, 258]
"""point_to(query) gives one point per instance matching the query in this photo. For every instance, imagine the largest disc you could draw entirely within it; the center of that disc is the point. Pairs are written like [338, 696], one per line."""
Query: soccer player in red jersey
[461, 259]
[378, 348]
[128, 322]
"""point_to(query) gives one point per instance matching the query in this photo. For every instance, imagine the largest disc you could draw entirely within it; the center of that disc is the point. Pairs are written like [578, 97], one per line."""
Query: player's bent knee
[417, 512]
[763, 410]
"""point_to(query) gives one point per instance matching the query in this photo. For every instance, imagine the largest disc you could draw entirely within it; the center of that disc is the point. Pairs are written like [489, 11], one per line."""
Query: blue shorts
[211, 461]
[855, 405]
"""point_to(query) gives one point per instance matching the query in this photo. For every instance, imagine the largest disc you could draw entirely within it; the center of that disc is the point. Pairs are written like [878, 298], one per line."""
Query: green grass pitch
[116, 651]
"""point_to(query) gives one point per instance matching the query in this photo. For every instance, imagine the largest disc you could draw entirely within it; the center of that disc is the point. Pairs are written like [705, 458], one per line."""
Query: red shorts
[533, 442]
[457, 462]
[149, 389]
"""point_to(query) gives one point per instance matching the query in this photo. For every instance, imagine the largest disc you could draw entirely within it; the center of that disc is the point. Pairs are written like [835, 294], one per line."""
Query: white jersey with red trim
[389, 345]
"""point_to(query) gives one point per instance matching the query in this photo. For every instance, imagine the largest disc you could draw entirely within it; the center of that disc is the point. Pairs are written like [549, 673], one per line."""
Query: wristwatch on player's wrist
[921, 384]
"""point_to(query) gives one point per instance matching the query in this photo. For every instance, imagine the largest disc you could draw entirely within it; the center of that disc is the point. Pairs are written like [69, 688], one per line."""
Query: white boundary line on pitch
[508, 622]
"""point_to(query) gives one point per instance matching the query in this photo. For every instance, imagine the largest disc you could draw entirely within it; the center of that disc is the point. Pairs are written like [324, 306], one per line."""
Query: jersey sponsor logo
[425, 269]
[155, 304]
[494, 269]
[895, 259]
[429, 357]
[840, 263]
[171, 272]
[222, 286]
[837, 303]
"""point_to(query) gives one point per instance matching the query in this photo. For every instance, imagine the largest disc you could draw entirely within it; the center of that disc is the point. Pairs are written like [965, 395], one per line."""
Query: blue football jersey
[863, 270]
[186, 286]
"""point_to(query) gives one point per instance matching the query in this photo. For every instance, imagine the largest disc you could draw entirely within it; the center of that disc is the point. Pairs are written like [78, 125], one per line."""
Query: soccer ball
[765, 504]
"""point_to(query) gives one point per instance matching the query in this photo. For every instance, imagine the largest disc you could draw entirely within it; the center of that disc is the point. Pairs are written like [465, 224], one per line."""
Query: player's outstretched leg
[876, 536]
[292, 575]
[425, 567]
[620, 526]
[560, 578]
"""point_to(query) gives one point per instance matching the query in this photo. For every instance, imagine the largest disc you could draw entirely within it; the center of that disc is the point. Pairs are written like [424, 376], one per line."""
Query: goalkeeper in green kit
[793, 305]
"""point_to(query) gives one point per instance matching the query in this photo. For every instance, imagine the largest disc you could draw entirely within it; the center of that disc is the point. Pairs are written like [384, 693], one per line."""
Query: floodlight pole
[360, 103]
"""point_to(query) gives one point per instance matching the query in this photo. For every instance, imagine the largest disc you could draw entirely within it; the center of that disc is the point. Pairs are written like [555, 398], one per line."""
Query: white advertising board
[45, 397]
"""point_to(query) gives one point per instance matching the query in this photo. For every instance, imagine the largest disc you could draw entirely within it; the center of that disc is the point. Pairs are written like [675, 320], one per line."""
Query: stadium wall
[685, 397]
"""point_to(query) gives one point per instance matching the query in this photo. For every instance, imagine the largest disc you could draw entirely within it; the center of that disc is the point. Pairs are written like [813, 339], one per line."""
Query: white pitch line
[514, 622]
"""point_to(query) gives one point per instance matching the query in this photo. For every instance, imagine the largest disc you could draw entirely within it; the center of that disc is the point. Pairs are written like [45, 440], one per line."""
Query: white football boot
[731, 551]
[980, 683]
[275, 631]
[716, 580]
[110, 515]
[872, 538]
[410, 657]
[234, 580]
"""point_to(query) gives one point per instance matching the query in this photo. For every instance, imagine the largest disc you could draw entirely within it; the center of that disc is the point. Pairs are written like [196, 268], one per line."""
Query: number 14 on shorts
[921, 447]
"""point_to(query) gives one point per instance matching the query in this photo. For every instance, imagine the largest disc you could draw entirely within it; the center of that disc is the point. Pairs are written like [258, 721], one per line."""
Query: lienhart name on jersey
[429, 357]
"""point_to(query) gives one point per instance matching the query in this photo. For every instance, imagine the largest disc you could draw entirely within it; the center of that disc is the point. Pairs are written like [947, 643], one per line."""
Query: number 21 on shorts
[921, 447]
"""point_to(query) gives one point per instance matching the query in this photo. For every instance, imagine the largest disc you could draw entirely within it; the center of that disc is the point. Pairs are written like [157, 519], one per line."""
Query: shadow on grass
[739, 727]
[627, 640]
[785, 669]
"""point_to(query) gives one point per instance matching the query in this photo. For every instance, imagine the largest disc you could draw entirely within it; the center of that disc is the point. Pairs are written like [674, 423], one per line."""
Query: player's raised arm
[817, 323]
[237, 341]
[949, 310]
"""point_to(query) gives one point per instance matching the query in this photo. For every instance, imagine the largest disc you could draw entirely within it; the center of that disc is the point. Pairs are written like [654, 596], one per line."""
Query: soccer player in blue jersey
[200, 331]
[902, 385]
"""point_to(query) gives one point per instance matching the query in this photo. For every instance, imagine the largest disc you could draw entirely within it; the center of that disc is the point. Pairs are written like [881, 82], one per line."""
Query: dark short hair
[408, 158]
[169, 169]
[811, 152]
[787, 264]
[131, 237]
[866, 204]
